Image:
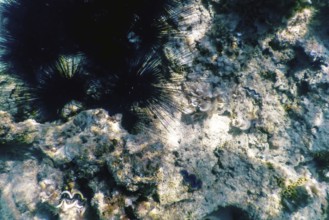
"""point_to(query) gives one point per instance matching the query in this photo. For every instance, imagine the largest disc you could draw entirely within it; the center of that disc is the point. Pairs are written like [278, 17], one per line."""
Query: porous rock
[252, 135]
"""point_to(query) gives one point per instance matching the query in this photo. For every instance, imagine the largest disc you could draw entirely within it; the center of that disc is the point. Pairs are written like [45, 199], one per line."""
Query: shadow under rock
[19, 152]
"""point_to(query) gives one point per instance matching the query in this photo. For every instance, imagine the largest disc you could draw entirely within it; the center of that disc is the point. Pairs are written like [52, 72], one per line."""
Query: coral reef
[250, 139]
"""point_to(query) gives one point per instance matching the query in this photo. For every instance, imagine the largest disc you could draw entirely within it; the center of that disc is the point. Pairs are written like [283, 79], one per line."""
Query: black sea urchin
[32, 34]
[139, 89]
[57, 84]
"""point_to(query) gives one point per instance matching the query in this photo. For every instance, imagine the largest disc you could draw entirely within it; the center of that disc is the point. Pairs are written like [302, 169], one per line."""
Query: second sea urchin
[139, 87]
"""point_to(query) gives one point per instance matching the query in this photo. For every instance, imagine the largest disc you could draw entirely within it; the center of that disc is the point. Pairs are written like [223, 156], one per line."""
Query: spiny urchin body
[57, 84]
[116, 67]
[143, 84]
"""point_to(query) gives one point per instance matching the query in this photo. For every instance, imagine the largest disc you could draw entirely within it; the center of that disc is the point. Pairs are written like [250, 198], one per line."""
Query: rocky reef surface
[250, 142]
